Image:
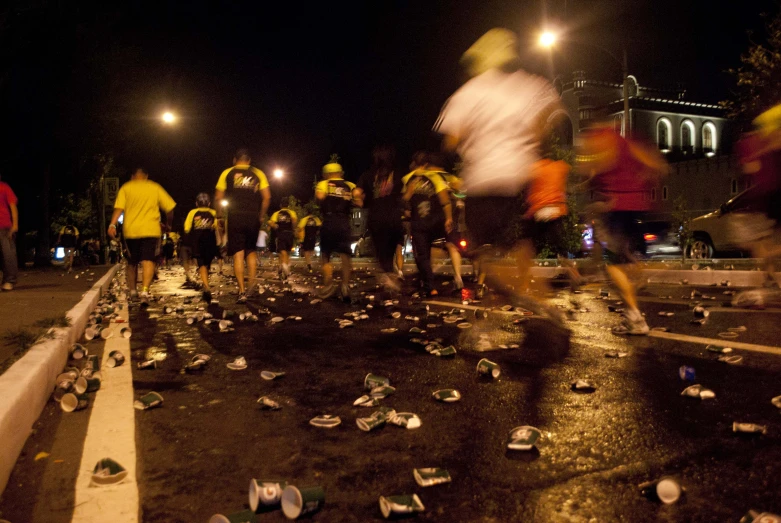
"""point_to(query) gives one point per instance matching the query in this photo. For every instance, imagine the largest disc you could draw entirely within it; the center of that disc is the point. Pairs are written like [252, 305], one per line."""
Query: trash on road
[701, 312]
[666, 490]
[108, 472]
[666, 314]
[383, 391]
[126, 332]
[238, 364]
[297, 502]
[698, 391]
[444, 352]
[326, 421]
[523, 438]
[728, 335]
[398, 506]
[78, 351]
[372, 381]
[431, 476]
[616, 354]
[731, 360]
[406, 420]
[115, 359]
[748, 428]
[148, 401]
[376, 420]
[265, 492]
[390, 330]
[742, 328]
[752, 516]
[486, 367]
[584, 386]
[366, 401]
[464, 325]
[267, 403]
[776, 401]
[71, 402]
[447, 395]
[718, 350]
[270, 375]
[147, 365]
[245, 516]
[686, 373]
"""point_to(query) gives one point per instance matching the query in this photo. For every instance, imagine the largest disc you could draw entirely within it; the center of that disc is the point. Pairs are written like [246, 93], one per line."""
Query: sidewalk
[42, 294]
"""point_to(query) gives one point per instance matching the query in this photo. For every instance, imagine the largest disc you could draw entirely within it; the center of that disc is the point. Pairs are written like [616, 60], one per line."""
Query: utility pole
[627, 123]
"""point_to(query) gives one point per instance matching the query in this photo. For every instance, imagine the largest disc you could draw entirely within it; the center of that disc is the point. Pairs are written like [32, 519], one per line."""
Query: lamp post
[548, 40]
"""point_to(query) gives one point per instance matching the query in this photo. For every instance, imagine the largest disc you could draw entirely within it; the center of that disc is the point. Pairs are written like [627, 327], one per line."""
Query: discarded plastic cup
[269, 375]
[752, 516]
[71, 402]
[147, 365]
[325, 421]
[583, 386]
[523, 438]
[406, 420]
[686, 373]
[486, 367]
[148, 401]
[78, 351]
[115, 359]
[666, 490]
[376, 420]
[267, 403]
[446, 395]
[428, 477]
[126, 332]
[106, 333]
[372, 381]
[265, 492]
[749, 428]
[108, 472]
[245, 516]
[297, 502]
[396, 506]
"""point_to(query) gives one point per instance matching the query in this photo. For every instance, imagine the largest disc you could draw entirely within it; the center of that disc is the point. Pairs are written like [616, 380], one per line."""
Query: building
[695, 137]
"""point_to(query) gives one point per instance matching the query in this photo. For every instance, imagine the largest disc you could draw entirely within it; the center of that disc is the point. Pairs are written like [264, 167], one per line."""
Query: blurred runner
[9, 226]
[200, 229]
[284, 223]
[381, 189]
[496, 121]
[427, 196]
[140, 200]
[261, 246]
[246, 190]
[309, 226]
[336, 198]
[623, 172]
[68, 239]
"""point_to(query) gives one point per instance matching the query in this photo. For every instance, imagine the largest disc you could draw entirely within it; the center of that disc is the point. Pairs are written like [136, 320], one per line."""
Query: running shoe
[345, 290]
[207, 297]
[145, 298]
[753, 299]
[242, 298]
[633, 325]
[480, 291]
[327, 291]
[458, 283]
[133, 295]
[8, 286]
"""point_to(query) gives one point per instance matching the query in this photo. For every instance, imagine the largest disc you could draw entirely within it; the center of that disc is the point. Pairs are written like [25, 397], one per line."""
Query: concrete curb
[26, 386]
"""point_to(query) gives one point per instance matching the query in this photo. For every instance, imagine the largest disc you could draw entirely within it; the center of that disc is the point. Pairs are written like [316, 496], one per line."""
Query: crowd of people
[497, 124]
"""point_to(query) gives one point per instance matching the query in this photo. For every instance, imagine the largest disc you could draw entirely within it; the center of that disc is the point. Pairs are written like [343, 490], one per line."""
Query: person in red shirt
[9, 226]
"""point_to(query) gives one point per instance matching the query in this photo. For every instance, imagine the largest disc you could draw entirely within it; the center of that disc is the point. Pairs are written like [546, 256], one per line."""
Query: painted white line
[458, 305]
[111, 434]
[767, 349]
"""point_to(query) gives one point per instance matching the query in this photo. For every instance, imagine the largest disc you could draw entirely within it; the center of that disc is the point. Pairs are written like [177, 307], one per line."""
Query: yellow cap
[331, 168]
[495, 49]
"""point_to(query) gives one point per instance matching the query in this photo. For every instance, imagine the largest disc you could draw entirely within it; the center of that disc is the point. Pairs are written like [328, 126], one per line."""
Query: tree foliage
[758, 79]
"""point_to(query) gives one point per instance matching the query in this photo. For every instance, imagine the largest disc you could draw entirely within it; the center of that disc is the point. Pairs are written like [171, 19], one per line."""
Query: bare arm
[266, 194]
[169, 219]
[218, 195]
[14, 218]
[444, 200]
[357, 196]
[112, 228]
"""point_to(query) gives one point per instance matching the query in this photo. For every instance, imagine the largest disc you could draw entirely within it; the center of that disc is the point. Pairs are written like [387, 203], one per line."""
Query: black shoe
[480, 291]
[207, 297]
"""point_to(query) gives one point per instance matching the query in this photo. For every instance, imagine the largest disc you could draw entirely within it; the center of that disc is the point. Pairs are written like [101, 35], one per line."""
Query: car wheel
[700, 249]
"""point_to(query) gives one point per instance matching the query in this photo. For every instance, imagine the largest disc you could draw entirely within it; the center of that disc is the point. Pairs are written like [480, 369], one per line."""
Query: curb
[26, 386]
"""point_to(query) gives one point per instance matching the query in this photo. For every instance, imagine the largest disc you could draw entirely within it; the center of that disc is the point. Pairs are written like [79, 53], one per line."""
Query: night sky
[295, 83]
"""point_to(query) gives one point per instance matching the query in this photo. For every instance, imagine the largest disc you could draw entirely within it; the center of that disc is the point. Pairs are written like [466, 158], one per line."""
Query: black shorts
[285, 241]
[488, 220]
[142, 249]
[243, 230]
[624, 235]
[548, 234]
[309, 242]
[186, 252]
[335, 238]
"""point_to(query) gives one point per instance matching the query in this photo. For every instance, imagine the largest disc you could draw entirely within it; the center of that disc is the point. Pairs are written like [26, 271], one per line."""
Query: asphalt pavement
[198, 452]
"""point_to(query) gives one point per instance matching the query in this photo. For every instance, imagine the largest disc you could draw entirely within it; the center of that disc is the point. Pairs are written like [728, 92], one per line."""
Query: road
[198, 452]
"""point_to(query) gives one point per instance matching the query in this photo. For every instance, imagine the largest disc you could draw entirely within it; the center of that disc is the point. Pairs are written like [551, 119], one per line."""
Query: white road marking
[458, 305]
[767, 349]
[111, 434]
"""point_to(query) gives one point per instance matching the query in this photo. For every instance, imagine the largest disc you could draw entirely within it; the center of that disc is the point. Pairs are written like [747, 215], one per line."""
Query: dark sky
[295, 83]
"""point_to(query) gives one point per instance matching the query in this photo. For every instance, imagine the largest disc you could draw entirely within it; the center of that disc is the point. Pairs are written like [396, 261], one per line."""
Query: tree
[759, 76]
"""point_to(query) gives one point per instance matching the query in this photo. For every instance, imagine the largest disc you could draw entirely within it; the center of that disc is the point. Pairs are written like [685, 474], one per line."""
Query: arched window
[663, 134]
[709, 138]
[687, 137]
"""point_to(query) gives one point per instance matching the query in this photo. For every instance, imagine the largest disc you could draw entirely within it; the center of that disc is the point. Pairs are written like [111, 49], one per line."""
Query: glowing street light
[278, 173]
[168, 118]
[547, 39]
[224, 203]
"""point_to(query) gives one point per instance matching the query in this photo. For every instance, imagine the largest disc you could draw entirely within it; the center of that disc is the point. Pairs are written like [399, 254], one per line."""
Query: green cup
[485, 367]
[108, 472]
[115, 359]
[71, 402]
[299, 502]
[400, 506]
[80, 386]
[245, 516]
[148, 401]
[78, 351]
[93, 384]
[372, 381]
[93, 362]
[374, 421]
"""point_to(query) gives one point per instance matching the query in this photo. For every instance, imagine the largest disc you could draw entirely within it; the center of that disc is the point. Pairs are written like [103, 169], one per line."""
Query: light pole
[548, 40]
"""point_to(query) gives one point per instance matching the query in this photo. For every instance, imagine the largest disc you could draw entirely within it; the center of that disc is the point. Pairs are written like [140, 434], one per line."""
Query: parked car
[711, 233]
[655, 238]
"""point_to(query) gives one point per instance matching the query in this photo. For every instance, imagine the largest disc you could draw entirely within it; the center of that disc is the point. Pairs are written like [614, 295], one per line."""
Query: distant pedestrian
[246, 190]
[68, 239]
[261, 246]
[381, 189]
[284, 222]
[9, 226]
[141, 200]
[336, 197]
[200, 229]
[308, 227]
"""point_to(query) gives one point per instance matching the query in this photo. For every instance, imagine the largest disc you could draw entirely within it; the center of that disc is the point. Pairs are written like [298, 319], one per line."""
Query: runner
[496, 121]
[284, 223]
[200, 229]
[381, 189]
[246, 190]
[336, 198]
[623, 171]
[309, 226]
[68, 239]
[261, 246]
[140, 200]
[431, 218]
[9, 226]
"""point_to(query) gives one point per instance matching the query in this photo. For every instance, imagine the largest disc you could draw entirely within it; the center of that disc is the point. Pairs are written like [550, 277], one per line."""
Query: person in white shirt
[262, 245]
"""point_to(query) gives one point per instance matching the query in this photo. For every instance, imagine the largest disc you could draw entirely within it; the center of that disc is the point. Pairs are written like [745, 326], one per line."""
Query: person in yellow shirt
[245, 189]
[200, 229]
[308, 228]
[284, 223]
[140, 200]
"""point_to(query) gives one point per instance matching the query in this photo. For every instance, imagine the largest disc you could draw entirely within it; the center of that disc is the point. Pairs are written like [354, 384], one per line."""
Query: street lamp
[278, 173]
[548, 39]
[224, 203]
[168, 118]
